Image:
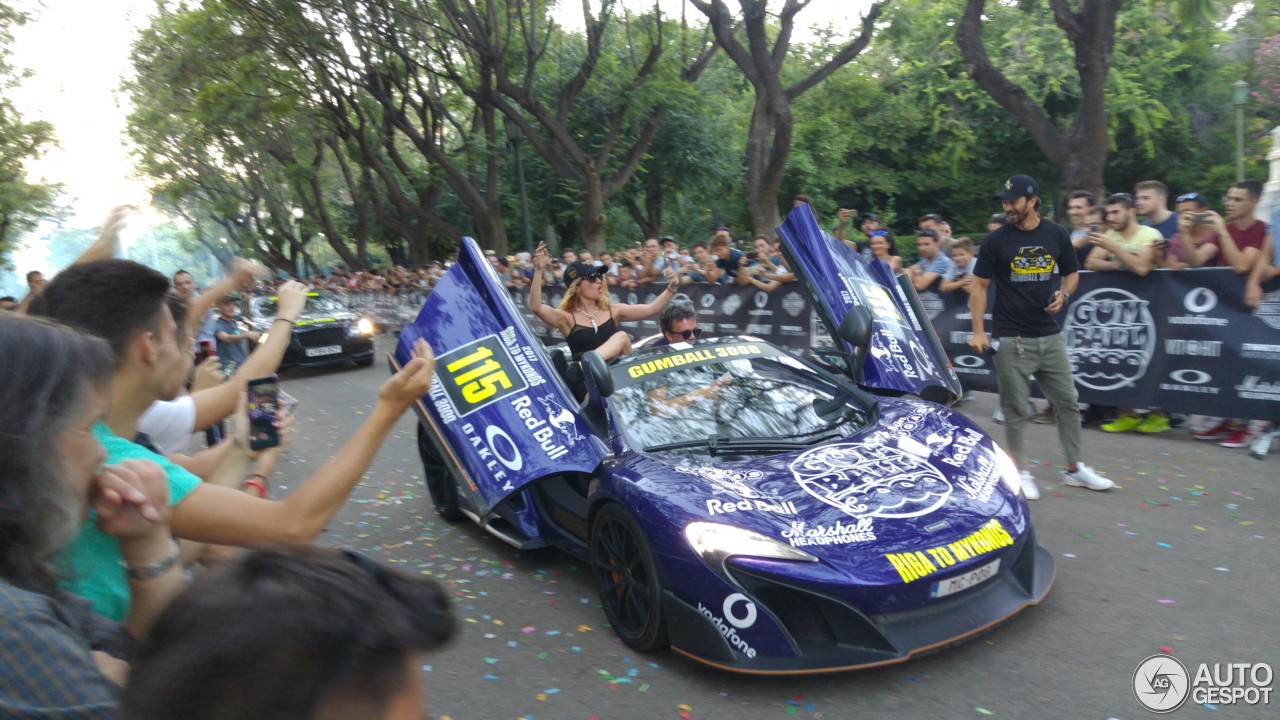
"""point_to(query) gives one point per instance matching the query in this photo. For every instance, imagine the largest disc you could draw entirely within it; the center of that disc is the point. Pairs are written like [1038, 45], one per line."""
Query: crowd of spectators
[105, 510]
[105, 354]
[1121, 233]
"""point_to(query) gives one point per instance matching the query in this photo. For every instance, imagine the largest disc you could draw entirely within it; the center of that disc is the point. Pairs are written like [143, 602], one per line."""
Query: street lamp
[514, 138]
[1239, 98]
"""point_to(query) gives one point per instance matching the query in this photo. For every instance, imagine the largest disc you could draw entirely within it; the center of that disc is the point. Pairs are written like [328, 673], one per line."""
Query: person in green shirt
[126, 303]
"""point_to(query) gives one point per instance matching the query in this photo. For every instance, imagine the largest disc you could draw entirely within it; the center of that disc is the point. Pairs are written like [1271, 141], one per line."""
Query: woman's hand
[540, 257]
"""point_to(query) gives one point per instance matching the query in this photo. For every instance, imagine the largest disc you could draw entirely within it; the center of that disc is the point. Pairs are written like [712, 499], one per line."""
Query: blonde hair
[571, 295]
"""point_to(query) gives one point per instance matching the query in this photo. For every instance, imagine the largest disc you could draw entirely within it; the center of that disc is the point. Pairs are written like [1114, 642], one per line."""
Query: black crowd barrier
[1183, 341]
[390, 311]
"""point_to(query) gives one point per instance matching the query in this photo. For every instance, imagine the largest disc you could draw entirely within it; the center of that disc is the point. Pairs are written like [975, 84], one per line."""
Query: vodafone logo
[748, 616]
[1200, 300]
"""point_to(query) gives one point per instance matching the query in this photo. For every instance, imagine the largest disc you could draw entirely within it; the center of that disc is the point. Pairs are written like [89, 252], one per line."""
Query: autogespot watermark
[1162, 684]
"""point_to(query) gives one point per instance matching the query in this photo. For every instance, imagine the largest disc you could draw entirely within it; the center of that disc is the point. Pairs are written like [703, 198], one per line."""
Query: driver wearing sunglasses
[679, 323]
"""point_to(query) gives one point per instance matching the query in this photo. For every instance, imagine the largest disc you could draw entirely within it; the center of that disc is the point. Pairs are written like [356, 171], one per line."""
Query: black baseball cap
[869, 216]
[577, 270]
[668, 239]
[1018, 186]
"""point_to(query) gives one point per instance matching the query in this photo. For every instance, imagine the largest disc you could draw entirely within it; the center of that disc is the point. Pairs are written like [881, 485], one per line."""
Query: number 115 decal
[478, 373]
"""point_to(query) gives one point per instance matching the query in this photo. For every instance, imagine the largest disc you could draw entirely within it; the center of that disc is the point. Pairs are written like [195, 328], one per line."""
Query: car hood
[312, 319]
[923, 476]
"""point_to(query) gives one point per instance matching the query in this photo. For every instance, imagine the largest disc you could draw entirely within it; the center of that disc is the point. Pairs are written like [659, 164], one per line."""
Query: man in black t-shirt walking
[1035, 270]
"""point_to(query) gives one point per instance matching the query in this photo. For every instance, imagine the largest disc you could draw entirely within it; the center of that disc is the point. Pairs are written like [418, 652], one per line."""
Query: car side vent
[815, 621]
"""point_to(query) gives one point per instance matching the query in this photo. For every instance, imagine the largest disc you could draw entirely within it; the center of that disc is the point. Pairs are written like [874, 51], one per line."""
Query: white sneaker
[1085, 477]
[1029, 488]
[998, 415]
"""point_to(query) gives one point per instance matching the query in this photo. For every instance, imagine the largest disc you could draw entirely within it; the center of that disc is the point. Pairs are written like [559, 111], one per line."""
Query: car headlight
[364, 326]
[1009, 474]
[716, 542]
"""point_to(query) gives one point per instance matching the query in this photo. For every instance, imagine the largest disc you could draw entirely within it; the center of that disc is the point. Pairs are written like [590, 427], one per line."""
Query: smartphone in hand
[264, 408]
[207, 349]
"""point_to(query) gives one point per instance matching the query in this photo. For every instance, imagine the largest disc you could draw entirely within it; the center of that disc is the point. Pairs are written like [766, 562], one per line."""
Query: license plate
[326, 350]
[943, 588]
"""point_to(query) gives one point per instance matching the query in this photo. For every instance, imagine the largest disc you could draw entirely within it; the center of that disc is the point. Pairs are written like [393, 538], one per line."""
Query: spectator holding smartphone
[1243, 237]
[1195, 244]
[126, 303]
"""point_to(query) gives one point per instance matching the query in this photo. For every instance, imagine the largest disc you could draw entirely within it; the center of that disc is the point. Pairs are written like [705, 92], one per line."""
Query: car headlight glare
[716, 542]
[365, 326]
[1009, 474]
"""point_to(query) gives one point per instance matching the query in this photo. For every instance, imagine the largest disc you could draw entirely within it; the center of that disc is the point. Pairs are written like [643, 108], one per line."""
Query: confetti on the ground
[1166, 601]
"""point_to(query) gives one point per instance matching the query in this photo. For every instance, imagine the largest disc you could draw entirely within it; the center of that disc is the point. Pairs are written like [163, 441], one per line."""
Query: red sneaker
[1217, 432]
[1237, 438]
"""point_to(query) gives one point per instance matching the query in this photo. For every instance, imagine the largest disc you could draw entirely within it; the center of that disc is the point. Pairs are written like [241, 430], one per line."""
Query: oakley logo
[1190, 377]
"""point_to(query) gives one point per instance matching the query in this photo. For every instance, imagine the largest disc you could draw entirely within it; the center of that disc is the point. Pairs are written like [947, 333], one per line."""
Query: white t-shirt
[169, 424]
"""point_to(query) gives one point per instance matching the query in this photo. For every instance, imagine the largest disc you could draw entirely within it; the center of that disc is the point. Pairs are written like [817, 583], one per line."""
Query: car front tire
[627, 579]
[438, 478]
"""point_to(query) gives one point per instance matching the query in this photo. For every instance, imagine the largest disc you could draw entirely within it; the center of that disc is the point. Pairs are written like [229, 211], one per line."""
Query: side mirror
[855, 328]
[599, 371]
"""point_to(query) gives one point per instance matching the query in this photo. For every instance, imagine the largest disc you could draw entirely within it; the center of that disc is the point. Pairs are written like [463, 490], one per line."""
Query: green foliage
[24, 202]
[231, 99]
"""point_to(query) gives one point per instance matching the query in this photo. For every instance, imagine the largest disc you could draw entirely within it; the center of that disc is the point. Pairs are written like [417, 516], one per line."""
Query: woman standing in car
[586, 318]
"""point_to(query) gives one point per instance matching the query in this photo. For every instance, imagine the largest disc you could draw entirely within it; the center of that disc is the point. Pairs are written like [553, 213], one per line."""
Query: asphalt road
[1181, 555]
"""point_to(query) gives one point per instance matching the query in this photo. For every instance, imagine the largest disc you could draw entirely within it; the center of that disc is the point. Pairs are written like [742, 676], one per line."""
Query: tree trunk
[768, 145]
[649, 218]
[1080, 155]
[761, 60]
[592, 223]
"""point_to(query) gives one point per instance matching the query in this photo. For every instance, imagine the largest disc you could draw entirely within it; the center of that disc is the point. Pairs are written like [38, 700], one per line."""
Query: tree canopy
[374, 129]
[24, 202]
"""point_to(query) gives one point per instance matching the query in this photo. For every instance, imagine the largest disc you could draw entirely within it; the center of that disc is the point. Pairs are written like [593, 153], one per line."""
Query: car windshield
[746, 406]
[317, 304]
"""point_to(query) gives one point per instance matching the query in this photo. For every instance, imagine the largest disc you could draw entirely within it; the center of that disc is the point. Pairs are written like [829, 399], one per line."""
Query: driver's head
[679, 322]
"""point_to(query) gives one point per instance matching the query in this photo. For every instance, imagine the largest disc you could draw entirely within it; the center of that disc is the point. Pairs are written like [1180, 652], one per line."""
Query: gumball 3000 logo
[1111, 338]
[870, 480]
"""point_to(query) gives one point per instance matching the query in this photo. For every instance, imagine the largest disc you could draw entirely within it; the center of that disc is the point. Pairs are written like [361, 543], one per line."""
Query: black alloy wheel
[626, 576]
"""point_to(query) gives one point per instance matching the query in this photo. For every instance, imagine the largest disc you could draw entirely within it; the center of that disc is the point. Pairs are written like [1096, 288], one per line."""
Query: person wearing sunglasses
[883, 248]
[679, 323]
[585, 317]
